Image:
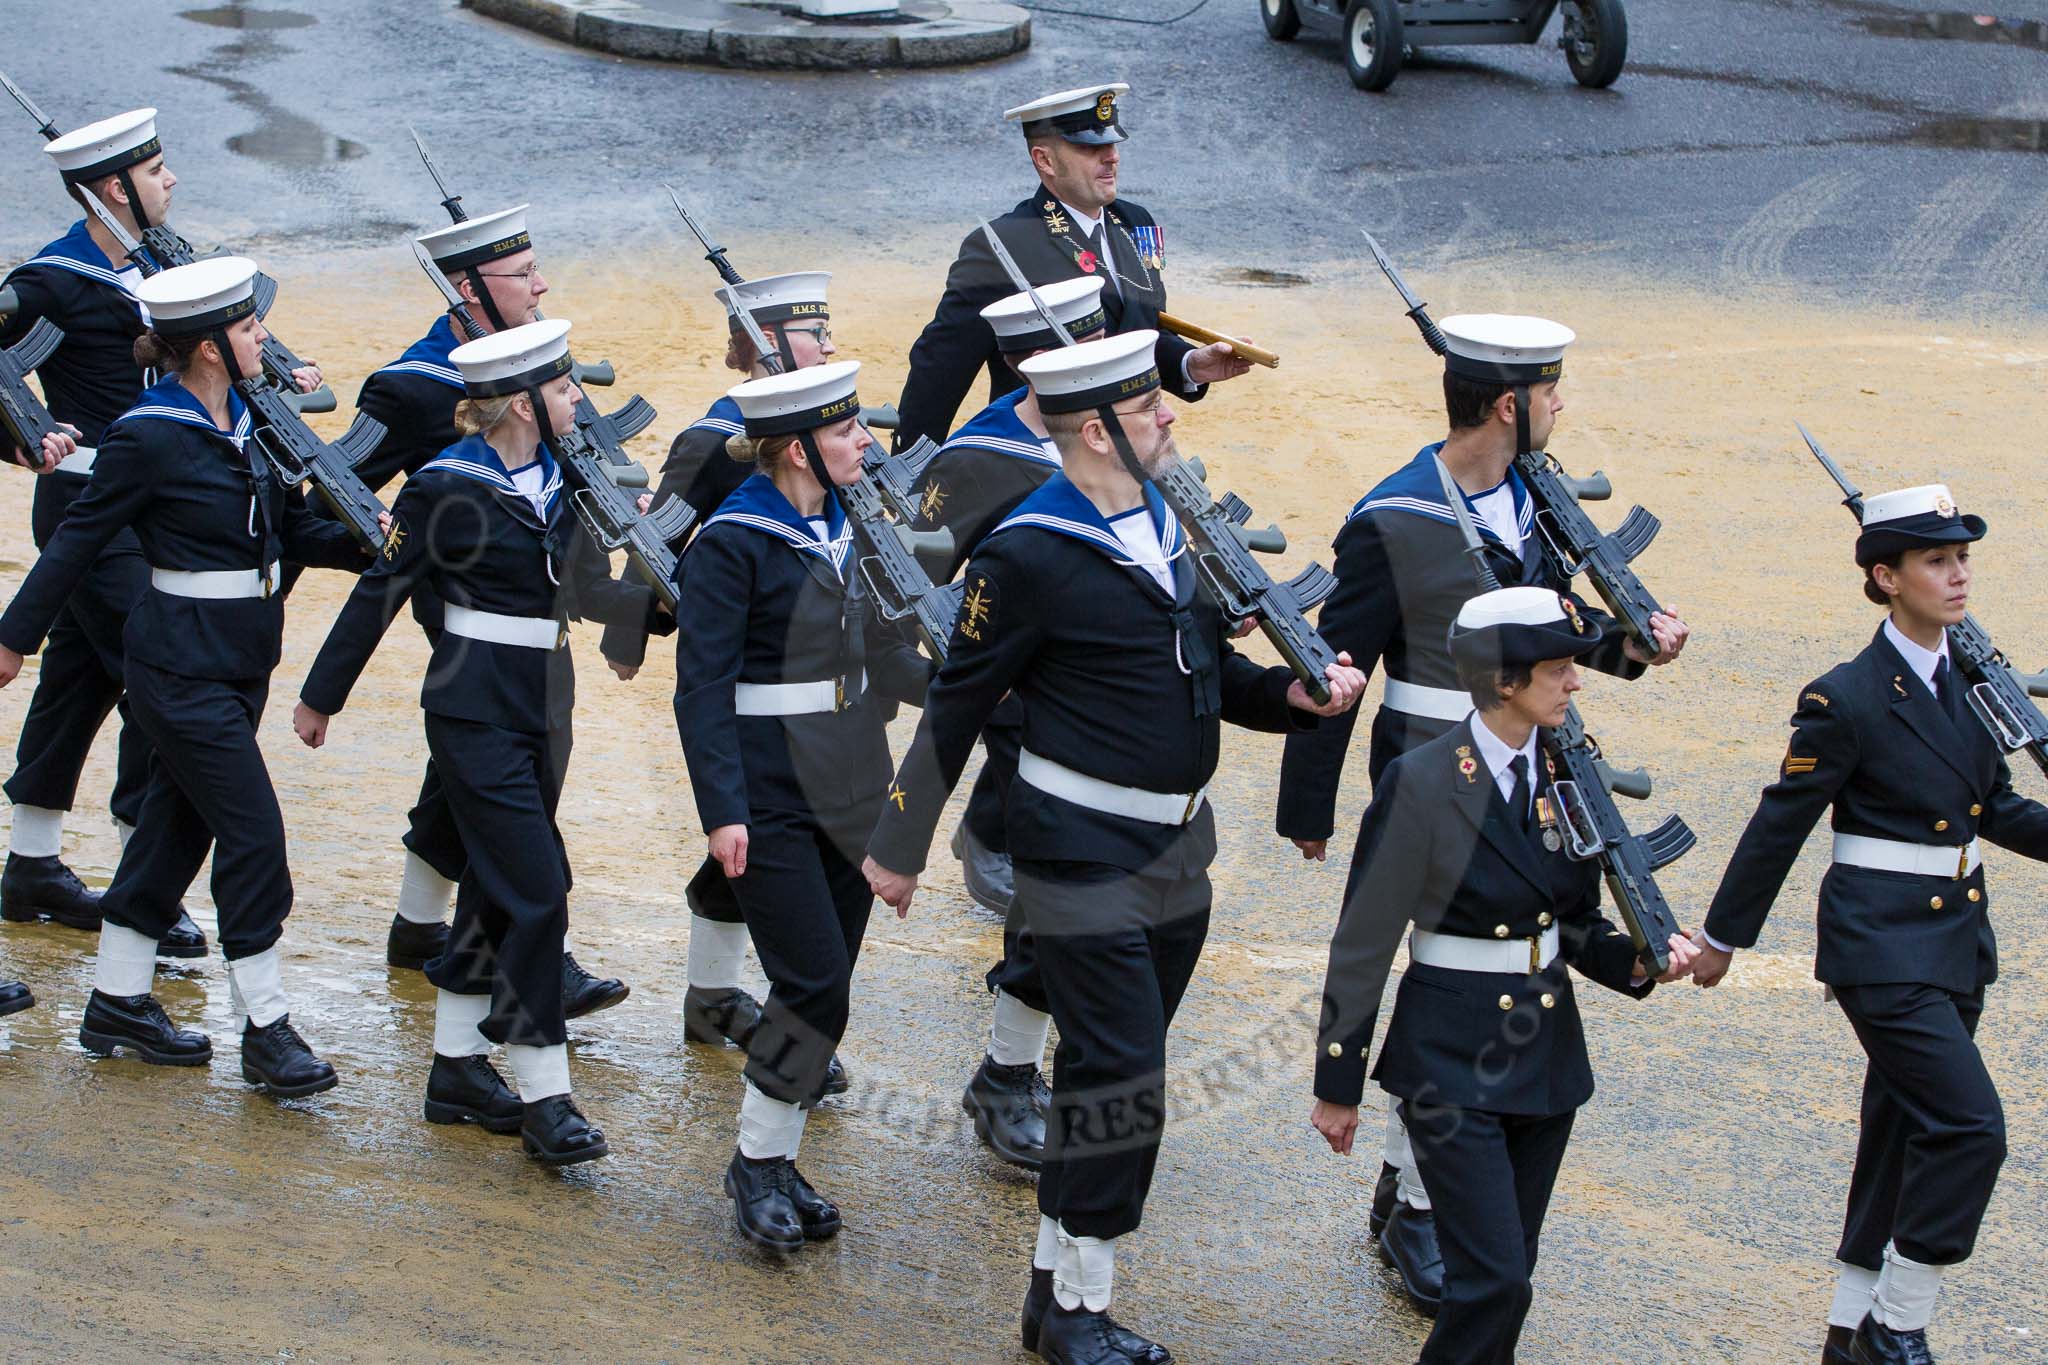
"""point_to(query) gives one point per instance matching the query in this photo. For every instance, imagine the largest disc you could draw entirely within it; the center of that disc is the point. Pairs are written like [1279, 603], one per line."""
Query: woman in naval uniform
[794, 314]
[1485, 1049]
[487, 526]
[782, 680]
[1887, 741]
[214, 522]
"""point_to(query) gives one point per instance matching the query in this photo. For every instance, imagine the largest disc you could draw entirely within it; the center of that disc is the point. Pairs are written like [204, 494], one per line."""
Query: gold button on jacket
[1500, 931]
[1934, 904]
[1336, 1049]
[1507, 1002]
[1549, 1000]
[1975, 895]
[1940, 825]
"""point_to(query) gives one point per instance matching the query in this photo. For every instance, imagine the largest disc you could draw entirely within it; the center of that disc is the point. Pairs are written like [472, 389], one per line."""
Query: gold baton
[1194, 332]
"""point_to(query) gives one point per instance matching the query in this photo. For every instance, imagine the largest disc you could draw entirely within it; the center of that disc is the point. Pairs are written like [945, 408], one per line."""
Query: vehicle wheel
[1372, 43]
[1282, 23]
[1595, 41]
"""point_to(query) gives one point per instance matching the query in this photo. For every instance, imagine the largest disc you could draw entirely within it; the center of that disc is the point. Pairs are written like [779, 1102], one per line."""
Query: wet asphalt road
[1829, 144]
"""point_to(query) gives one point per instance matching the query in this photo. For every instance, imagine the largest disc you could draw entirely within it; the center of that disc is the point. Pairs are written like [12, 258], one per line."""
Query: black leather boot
[1409, 1245]
[836, 1081]
[278, 1062]
[763, 1202]
[1877, 1344]
[184, 940]
[1079, 1337]
[1384, 1192]
[720, 1015]
[33, 889]
[15, 997]
[584, 994]
[410, 947]
[138, 1023]
[1038, 1299]
[470, 1090]
[1003, 1101]
[555, 1133]
[819, 1215]
[1835, 1350]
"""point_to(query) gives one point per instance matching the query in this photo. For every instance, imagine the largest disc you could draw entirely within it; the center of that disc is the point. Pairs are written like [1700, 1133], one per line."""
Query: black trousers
[1489, 1178]
[208, 789]
[1118, 949]
[710, 894]
[80, 680]
[806, 907]
[1933, 1134]
[512, 901]
[431, 833]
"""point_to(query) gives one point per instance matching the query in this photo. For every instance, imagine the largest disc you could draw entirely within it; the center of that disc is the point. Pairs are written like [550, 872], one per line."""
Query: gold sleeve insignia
[978, 609]
[393, 540]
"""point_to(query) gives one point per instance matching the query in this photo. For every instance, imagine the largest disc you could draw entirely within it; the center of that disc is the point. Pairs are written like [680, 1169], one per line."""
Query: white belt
[1504, 956]
[78, 461]
[1436, 703]
[531, 632]
[216, 583]
[793, 699]
[1925, 860]
[1160, 808]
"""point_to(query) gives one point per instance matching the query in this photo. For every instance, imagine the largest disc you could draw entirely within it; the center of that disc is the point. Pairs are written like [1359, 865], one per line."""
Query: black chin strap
[1521, 420]
[484, 299]
[219, 337]
[1112, 422]
[816, 458]
[134, 202]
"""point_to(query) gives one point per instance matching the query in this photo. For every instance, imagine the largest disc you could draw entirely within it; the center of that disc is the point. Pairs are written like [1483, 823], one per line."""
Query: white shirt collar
[1922, 661]
[1494, 751]
[1087, 222]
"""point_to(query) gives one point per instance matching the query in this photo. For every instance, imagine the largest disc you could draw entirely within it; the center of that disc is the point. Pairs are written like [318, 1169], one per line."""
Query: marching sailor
[1075, 225]
[782, 674]
[1083, 602]
[978, 478]
[489, 261]
[487, 526]
[793, 313]
[1485, 1050]
[213, 522]
[1886, 742]
[91, 379]
[1402, 575]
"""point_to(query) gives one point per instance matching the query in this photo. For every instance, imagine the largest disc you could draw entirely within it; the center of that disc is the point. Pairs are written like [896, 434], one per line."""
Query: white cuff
[1715, 943]
[1187, 381]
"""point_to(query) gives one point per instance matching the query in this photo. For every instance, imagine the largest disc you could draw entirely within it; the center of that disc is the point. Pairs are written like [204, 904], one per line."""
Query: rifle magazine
[1312, 586]
[1668, 842]
[1635, 533]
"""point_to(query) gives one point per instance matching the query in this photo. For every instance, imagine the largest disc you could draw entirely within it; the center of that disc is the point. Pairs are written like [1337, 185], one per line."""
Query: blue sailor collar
[723, 418]
[998, 428]
[168, 400]
[429, 356]
[759, 505]
[1060, 507]
[1415, 488]
[473, 457]
[78, 253]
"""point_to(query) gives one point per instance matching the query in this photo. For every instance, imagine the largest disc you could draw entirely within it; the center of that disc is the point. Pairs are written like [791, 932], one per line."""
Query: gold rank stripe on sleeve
[1796, 766]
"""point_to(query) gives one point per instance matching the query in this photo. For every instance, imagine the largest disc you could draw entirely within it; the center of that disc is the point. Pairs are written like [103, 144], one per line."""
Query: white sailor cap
[474, 241]
[1077, 303]
[801, 400]
[105, 148]
[1521, 626]
[778, 298]
[1912, 518]
[1495, 348]
[1086, 115]
[199, 297]
[514, 360]
[1094, 373]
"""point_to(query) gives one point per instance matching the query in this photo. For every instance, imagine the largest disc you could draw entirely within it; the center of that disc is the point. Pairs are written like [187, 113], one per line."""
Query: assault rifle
[24, 421]
[1222, 543]
[888, 549]
[611, 513]
[1584, 791]
[1999, 693]
[1572, 542]
[298, 454]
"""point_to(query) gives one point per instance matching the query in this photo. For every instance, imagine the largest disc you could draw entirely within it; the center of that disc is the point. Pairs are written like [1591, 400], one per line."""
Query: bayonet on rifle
[450, 202]
[43, 124]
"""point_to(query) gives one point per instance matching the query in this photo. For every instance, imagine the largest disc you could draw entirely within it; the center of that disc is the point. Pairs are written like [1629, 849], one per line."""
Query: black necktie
[1945, 688]
[1098, 242]
[1518, 800]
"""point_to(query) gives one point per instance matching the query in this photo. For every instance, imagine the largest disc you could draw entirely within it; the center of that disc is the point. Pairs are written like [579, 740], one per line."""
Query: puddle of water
[291, 141]
[1272, 279]
[238, 16]
[1958, 26]
[1984, 134]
